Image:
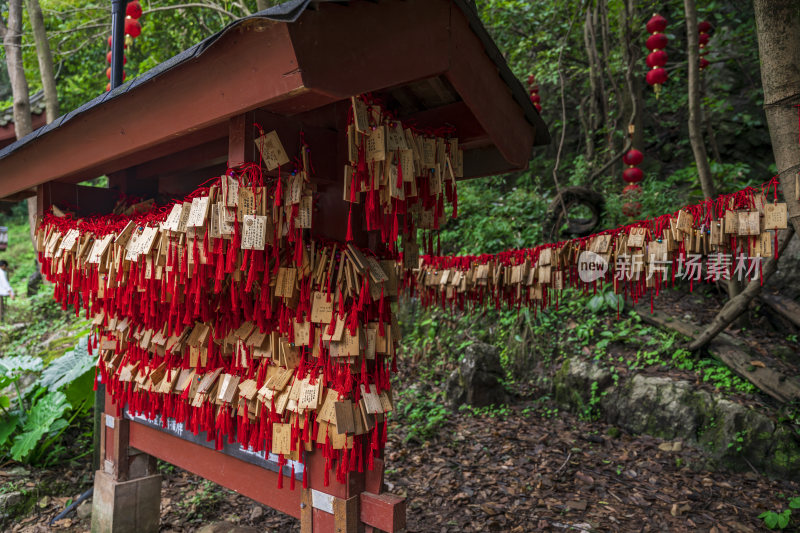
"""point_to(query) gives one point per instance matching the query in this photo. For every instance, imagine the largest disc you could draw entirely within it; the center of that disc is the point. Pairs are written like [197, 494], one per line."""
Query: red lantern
[704, 27]
[632, 209]
[132, 28]
[657, 59]
[703, 63]
[134, 10]
[633, 175]
[657, 41]
[633, 157]
[703, 38]
[534, 92]
[656, 24]
[657, 76]
[108, 87]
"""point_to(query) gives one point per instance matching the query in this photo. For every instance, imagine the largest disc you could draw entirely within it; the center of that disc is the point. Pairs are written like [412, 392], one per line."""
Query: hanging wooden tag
[304, 212]
[764, 245]
[376, 144]
[254, 232]
[731, 222]
[327, 413]
[99, 249]
[228, 389]
[749, 223]
[285, 284]
[407, 165]
[352, 144]
[760, 202]
[281, 439]
[125, 235]
[302, 333]
[310, 395]
[246, 204]
[685, 221]
[636, 237]
[360, 114]
[321, 308]
[198, 212]
[775, 216]
[344, 417]
[395, 137]
[272, 151]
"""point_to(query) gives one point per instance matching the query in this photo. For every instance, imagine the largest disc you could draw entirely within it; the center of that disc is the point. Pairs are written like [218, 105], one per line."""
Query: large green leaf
[595, 303]
[7, 426]
[68, 367]
[80, 393]
[41, 420]
[11, 366]
[615, 301]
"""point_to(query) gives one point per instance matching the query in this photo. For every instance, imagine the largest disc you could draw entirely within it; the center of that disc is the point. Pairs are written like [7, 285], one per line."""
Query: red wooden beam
[245, 69]
[256, 483]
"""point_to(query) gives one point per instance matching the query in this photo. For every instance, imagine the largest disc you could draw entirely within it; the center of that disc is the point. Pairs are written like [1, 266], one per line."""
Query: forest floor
[523, 467]
[529, 468]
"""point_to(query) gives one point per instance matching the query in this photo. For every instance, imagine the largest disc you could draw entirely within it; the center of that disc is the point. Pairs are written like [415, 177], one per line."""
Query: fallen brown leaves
[529, 473]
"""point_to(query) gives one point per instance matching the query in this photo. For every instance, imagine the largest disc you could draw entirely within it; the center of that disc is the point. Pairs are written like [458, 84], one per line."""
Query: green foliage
[43, 411]
[41, 419]
[422, 412]
[203, 501]
[780, 520]
[19, 254]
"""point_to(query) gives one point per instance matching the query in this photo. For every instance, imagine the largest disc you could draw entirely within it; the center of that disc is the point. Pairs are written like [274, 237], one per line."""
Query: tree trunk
[263, 4]
[695, 112]
[631, 55]
[778, 24]
[45, 57]
[12, 42]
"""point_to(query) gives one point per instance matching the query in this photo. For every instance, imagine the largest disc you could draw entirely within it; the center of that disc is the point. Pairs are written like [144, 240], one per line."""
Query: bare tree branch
[186, 6]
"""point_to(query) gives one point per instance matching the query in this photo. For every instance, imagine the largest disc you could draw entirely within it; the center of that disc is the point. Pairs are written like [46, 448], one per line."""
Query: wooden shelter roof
[431, 60]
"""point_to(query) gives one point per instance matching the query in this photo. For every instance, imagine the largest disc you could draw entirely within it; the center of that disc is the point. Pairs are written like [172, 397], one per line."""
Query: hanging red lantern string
[132, 30]
[704, 29]
[533, 89]
[657, 58]
[632, 176]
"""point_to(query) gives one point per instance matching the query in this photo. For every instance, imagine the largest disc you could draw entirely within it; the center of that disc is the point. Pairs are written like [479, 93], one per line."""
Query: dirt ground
[521, 472]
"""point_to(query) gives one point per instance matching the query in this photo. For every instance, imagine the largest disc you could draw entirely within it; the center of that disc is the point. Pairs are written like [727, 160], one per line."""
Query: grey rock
[10, 499]
[477, 381]
[256, 513]
[84, 510]
[730, 433]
